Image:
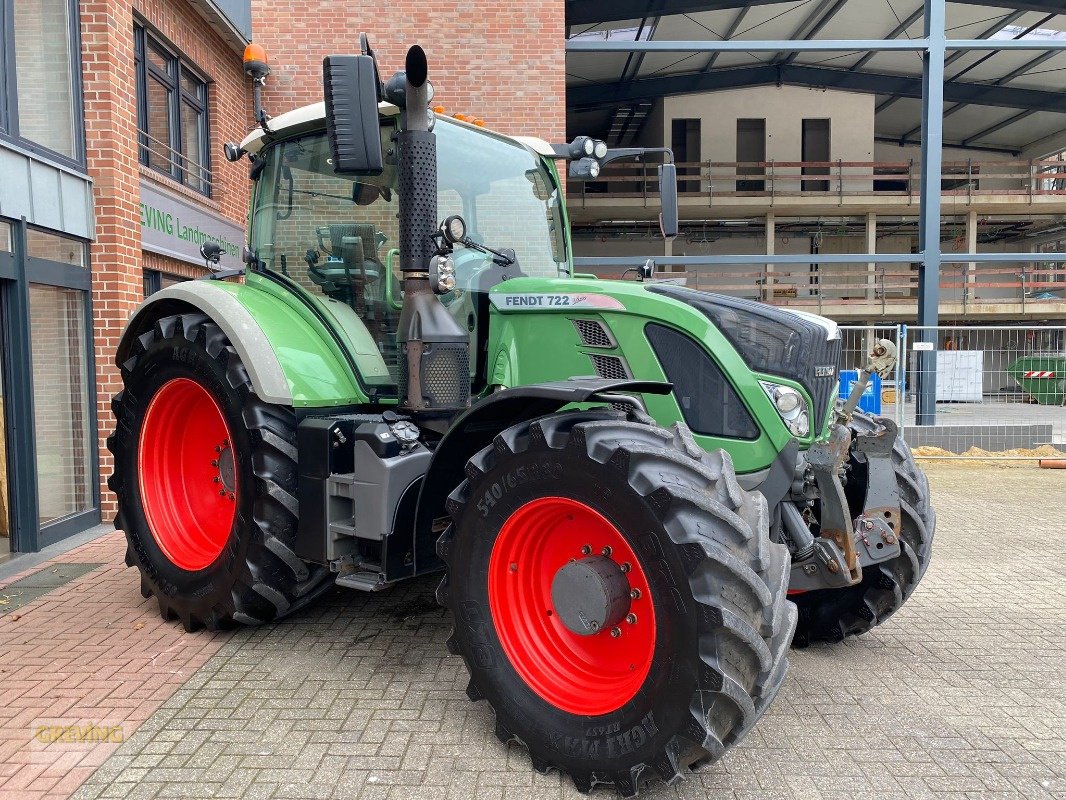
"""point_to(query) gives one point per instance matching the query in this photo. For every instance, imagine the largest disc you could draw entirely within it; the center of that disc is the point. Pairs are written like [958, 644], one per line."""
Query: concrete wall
[784, 109]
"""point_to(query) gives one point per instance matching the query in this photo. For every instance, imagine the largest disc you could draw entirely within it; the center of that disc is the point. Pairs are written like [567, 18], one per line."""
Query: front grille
[593, 333]
[771, 341]
[824, 388]
[610, 366]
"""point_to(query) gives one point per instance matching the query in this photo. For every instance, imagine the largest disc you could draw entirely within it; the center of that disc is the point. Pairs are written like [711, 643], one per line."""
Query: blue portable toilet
[870, 402]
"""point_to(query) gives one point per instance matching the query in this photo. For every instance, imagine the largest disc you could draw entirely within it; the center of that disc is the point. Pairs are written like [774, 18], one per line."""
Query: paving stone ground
[961, 695]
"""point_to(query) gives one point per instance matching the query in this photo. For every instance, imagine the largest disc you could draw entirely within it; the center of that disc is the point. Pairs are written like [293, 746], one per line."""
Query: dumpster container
[870, 401]
[1042, 377]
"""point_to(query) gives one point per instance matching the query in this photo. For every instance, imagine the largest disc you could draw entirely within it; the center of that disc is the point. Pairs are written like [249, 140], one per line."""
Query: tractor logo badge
[530, 301]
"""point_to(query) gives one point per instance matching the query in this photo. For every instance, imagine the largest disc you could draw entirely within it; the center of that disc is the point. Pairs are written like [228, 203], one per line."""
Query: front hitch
[845, 544]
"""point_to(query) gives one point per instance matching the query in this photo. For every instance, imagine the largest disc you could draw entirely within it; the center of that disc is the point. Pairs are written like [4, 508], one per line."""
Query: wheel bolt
[216, 479]
[218, 448]
[586, 550]
[625, 567]
[606, 552]
[631, 619]
[635, 594]
[221, 492]
[214, 463]
[616, 632]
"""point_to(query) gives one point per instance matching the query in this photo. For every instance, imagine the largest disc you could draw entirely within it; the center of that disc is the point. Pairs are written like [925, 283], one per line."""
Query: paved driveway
[962, 694]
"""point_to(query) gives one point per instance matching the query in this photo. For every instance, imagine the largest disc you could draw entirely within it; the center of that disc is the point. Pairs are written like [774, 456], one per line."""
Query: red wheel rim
[586, 675]
[187, 474]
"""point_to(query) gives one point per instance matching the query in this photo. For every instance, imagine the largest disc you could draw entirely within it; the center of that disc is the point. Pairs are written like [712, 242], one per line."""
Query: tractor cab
[334, 238]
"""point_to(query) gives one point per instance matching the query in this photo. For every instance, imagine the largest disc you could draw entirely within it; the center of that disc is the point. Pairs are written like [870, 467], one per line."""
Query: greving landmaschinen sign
[173, 226]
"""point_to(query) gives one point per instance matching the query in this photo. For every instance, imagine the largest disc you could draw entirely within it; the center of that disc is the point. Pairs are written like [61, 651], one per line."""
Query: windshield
[506, 194]
[337, 236]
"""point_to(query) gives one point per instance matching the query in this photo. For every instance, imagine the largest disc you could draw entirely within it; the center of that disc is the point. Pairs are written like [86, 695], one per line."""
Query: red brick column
[498, 61]
[108, 75]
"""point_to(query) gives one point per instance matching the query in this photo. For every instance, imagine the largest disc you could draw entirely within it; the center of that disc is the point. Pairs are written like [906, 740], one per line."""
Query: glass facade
[44, 75]
[65, 468]
[60, 249]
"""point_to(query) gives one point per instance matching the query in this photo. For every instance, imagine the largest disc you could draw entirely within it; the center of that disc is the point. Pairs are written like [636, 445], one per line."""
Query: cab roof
[313, 116]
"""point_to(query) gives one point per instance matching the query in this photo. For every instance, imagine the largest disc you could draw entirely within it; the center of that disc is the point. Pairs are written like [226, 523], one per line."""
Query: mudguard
[478, 426]
[293, 358]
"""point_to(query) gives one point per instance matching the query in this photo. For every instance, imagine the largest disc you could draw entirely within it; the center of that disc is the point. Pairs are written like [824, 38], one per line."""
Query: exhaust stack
[434, 378]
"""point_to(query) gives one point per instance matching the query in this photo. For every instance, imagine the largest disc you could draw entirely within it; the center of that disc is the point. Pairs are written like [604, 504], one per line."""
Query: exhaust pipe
[434, 378]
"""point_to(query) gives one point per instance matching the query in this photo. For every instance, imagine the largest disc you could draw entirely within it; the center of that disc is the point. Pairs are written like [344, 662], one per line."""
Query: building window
[155, 281]
[38, 46]
[171, 113]
[63, 426]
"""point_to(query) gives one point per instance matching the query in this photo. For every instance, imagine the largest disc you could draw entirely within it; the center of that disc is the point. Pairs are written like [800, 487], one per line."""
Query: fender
[291, 359]
[480, 424]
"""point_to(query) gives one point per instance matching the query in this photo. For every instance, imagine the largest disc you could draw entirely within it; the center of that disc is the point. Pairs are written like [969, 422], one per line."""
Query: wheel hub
[223, 463]
[590, 595]
[572, 605]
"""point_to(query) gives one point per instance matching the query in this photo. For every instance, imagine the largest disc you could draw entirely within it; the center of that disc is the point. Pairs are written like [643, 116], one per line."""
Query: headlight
[442, 274]
[599, 149]
[454, 229]
[791, 407]
[787, 400]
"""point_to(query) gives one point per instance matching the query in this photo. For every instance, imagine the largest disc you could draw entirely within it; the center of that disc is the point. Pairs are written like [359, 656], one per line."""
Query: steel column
[929, 220]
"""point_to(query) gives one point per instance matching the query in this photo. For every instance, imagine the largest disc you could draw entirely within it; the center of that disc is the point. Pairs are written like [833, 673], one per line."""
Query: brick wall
[502, 62]
[108, 73]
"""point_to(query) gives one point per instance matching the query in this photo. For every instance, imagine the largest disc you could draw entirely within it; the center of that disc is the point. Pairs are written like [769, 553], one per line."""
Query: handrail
[197, 172]
[773, 179]
[854, 284]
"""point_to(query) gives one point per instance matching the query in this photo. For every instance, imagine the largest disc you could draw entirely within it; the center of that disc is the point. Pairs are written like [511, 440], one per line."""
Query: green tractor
[639, 495]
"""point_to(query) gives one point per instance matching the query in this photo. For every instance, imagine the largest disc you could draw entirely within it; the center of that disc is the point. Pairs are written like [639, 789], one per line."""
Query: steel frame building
[933, 47]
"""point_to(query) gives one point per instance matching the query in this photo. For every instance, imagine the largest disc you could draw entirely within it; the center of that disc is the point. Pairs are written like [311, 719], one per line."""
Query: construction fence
[1000, 391]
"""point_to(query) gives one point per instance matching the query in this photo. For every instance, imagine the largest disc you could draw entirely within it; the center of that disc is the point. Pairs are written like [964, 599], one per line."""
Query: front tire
[644, 696]
[205, 475]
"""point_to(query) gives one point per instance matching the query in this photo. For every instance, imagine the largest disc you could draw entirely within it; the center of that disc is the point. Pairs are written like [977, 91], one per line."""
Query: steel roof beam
[892, 34]
[601, 95]
[814, 23]
[730, 32]
[999, 126]
[594, 12]
[1024, 68]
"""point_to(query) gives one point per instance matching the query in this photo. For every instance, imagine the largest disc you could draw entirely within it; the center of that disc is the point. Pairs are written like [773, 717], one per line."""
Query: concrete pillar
[971, 247]
[771, 242]
[871, 247]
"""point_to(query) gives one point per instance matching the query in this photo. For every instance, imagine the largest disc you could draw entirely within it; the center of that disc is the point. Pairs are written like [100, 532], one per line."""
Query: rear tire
[200, 574]
[712, 625]
[830, 615]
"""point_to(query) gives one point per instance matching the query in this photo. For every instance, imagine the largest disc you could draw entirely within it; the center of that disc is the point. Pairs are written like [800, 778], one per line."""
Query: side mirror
[351, 91]
[647, 270]
[668, 221]
[210, 252]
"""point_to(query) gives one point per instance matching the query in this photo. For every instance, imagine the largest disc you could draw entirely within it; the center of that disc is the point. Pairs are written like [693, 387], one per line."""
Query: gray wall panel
[45, 194]
[15, 187]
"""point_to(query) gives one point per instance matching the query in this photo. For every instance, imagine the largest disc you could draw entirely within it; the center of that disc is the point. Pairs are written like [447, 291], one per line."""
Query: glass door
[7, 271]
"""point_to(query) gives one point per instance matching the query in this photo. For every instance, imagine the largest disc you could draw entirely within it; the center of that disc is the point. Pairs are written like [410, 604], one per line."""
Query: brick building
[498, 61]
[112, 118]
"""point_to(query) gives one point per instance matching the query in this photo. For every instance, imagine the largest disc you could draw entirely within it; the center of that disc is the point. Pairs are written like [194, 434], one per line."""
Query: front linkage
[846, 543]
